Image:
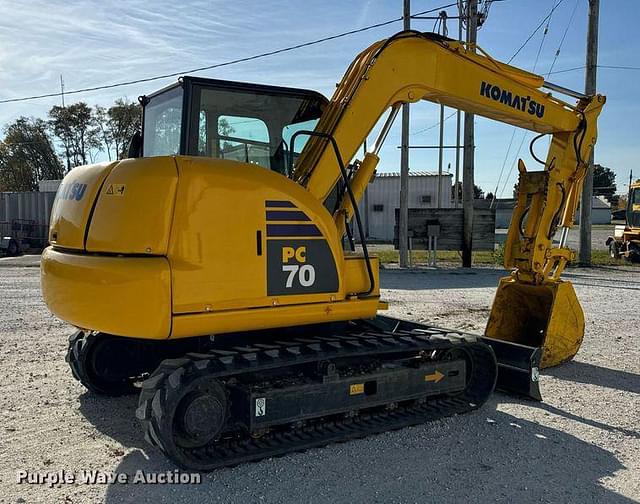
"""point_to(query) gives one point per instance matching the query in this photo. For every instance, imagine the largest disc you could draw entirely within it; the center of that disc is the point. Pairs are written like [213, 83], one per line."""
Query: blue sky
[101, 42]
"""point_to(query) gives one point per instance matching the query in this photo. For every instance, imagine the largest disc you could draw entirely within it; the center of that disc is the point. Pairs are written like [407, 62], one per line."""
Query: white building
[600, 211]
[48, 185]
[382, 198]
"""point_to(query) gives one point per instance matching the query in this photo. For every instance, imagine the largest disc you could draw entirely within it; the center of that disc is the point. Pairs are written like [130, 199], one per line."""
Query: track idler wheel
[95, 361]
[183, 409]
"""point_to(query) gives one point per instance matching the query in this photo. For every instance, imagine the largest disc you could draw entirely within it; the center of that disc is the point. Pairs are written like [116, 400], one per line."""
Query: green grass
[483, 258]
[602, 258]
[420, 257]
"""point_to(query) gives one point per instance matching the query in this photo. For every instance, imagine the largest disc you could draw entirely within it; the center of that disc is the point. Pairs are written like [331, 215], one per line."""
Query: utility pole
[403, 221]
[62, 90]
[457, 180]
[443, 17]
[589, 89]
[469, 148]
[440, 156]
[66, 146]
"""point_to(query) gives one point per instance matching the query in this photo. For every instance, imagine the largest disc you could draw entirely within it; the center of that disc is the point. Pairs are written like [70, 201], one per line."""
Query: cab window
[236, 137]
[290, 129]
[250, 124]
[163, 124]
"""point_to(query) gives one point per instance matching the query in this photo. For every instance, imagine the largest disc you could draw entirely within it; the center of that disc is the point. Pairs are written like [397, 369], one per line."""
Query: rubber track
[80, 345]
[171, 374]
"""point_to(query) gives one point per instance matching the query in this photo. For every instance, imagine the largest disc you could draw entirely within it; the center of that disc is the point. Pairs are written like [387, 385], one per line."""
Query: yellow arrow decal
[435, 377]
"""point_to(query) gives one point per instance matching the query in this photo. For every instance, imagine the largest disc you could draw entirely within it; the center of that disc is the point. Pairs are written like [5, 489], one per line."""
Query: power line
[567, 70]
[564, 36]
[555, 58]
[618, 67]
[556, 3]
[504, 163]
[606, 67]
[547, 17]
[226, 63]
[433, 125]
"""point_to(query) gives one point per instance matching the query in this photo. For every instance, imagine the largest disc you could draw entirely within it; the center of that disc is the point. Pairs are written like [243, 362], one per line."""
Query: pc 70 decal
[299, 266]
[304, 274]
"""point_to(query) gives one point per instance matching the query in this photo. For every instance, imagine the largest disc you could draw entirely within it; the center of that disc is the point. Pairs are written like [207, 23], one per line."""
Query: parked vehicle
[625, 241]
[21, 235]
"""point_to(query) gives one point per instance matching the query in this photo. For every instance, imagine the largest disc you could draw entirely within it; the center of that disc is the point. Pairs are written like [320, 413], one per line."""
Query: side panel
[74, 201]
[356, 278]
[134, 208]
[125, 296]
[230, 218]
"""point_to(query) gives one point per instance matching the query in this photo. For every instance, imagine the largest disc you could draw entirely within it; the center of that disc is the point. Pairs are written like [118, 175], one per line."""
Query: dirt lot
[582, 444]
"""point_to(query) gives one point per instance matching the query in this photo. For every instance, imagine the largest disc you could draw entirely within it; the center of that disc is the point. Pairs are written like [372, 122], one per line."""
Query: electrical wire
[606, 67]
[556, 3]
[433, 125]
[223, 64]
[564, 36]
[436, 28]
[544, 20]
[504, 163]
[618, 67]
[567, 70]
[515, 162]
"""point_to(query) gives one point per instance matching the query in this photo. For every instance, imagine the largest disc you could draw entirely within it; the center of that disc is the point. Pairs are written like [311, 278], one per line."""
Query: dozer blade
[518, 364]
[547, 316]
[518, 368]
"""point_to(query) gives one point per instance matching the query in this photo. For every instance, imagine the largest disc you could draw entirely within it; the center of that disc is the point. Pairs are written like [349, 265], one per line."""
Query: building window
[378, 208]
[426, 198]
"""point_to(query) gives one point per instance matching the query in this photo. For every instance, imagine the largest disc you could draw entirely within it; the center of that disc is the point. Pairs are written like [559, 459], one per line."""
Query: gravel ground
[582, 444]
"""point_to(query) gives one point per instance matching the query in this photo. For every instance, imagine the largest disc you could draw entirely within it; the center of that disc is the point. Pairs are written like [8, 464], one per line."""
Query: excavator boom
[412, 66]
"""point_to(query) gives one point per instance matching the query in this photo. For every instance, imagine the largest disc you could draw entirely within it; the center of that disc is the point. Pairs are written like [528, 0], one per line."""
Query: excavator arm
[412, 66]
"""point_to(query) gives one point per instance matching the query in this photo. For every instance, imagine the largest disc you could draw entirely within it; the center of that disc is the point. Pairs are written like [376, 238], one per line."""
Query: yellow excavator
[211, 264]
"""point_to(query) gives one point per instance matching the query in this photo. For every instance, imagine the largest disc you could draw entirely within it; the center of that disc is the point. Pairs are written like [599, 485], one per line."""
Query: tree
[604, 183]
[102, 122]
[27, 156]
[456, 187]
[489, 196]
[622, 202]
[124, 119]
[75, 126]
[478, 193]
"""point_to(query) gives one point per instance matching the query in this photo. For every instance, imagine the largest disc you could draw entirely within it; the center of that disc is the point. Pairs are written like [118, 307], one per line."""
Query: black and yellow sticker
[116, 189]
[356, 388]
[434, 377]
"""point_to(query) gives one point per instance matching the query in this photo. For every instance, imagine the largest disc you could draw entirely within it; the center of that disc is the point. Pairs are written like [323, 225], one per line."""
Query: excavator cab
[220, 119]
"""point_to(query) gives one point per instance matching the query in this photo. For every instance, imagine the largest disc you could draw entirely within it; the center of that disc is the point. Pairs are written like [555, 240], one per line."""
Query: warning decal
[116, 189]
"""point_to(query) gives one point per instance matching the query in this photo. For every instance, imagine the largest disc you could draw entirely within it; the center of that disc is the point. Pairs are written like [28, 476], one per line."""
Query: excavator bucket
[547, 316]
